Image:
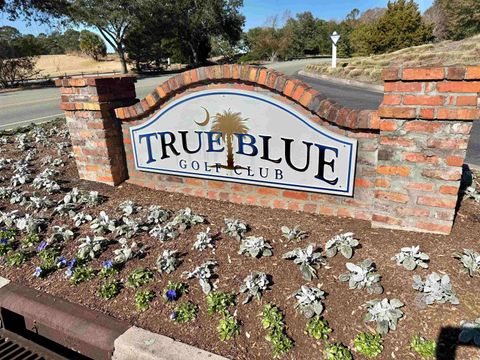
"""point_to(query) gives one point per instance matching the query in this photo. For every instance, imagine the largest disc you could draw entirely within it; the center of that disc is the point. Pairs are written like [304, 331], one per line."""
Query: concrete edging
[371, 87]
[132, 343]
[137, 343]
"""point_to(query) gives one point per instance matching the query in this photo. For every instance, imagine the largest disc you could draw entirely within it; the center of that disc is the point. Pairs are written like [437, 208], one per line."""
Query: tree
[195, 22]
[92, 45]
[16, 62]
[401, 26]
[111, 18]
[454, 19]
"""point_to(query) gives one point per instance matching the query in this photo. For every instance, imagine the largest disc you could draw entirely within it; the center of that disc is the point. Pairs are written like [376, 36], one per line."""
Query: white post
[334, 55]
[334, 38]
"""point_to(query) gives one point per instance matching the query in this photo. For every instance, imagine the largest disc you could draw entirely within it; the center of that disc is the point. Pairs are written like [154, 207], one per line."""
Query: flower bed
[276, 283]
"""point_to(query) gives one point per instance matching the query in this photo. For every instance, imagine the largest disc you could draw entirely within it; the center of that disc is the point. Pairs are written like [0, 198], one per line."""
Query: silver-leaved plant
[306, 259]
[309, 300]
[470, 260]
[103, 224]
[157, 215]
[60, 234]
[254, 285]
[363, 276]
[385, 313]
[435, 289]
[235, 228]
[168, 261]
[411, 257]
[293, 233]
[82, 218]
[343, 244]
[204, 275]
[91, 247]
[185, 219]
[127, 251]
[164, 233]
[255, 246]
[204, 241]
[128, 208]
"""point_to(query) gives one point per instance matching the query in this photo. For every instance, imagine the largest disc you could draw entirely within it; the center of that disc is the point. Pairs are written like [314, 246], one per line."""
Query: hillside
[369, 68]
[54, 65]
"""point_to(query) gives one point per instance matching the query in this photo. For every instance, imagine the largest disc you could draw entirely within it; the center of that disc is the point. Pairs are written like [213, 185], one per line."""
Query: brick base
[410, 154]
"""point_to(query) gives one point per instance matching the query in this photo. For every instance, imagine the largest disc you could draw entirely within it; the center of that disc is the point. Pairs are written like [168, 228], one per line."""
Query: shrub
[272, 321]
[318, 328]
[139, 277]
[368, 344]
[228, 327]
[143, 298]
[219, 302]
[109, 290]
[337, 351]
[423, 347]
[186, 311]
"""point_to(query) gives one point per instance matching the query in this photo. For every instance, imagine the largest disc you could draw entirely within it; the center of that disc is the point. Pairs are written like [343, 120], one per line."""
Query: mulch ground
[344, 309]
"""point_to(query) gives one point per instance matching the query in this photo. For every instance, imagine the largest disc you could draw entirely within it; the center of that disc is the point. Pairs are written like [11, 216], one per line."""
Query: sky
[258, 11]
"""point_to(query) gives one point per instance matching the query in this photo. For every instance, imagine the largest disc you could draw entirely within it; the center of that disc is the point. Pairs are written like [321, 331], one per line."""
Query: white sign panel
[244, 137]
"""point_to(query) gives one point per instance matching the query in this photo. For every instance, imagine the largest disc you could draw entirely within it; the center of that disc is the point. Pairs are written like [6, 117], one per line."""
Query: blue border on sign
[233, 179]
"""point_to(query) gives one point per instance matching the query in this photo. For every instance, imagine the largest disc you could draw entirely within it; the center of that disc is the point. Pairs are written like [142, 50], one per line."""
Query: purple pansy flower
[107, 264]
[41, 246]
[68, 272]
[171, 295]
[4, 241]
[173, 315]
[72, 263]
[61, 261]
[38, 271]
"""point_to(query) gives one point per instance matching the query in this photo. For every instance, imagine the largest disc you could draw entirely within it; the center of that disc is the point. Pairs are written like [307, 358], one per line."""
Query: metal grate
[15, 347]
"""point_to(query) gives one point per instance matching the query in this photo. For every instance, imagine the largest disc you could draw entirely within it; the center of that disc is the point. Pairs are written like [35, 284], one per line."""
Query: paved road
[23, 107]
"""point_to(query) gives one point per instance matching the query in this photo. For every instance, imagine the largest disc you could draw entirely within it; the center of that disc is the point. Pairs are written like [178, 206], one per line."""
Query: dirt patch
[343, 307]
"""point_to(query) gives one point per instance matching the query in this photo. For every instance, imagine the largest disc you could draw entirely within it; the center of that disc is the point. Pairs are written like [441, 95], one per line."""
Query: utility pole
[334, 38]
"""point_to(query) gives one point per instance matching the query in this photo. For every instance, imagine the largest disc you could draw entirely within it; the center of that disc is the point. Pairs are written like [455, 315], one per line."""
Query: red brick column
[96, 133]
[425, 122]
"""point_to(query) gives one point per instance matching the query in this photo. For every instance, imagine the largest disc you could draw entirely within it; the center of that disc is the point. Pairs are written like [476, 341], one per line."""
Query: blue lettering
[212, 141]
[149, 145]
[242, 144]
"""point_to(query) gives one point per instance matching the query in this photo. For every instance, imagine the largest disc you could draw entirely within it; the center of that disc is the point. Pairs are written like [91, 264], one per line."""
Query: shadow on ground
[447, 343]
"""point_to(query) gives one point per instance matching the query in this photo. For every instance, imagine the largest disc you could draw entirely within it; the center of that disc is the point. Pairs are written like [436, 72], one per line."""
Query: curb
[137, 343]
[360, 84]
[88, 332]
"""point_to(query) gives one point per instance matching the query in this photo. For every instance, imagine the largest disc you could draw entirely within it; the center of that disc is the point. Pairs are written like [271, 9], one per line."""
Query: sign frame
[351, 142]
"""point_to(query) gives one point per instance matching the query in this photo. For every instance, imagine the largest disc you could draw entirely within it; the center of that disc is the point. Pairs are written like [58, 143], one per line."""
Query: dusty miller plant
[411, 257]
[255, 247]
[164, 233]
[127, 251]
[363, 276]
[385, 313]
[129, 228]
[204, 241]
[91, 247]
[306, 259]
[129, 208]
[60, 234]
[82, 218]
[168, 261]
[470, 260]
[254, 285]
[435, 289]
[235, 228]
[293, 233]
[204, 275]
[30, 224]
[309, 300]
[186, 218]
[157, 215]
[343, 243]
[102, 224]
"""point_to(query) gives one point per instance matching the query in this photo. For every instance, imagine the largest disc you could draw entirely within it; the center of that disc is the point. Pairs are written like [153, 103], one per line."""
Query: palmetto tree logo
[228, 123]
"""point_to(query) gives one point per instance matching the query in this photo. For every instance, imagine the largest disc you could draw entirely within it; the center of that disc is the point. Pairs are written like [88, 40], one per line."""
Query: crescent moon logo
[207, 118]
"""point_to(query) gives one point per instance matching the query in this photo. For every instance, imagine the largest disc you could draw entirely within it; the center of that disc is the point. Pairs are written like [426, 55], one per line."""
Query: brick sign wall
[410, 151]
